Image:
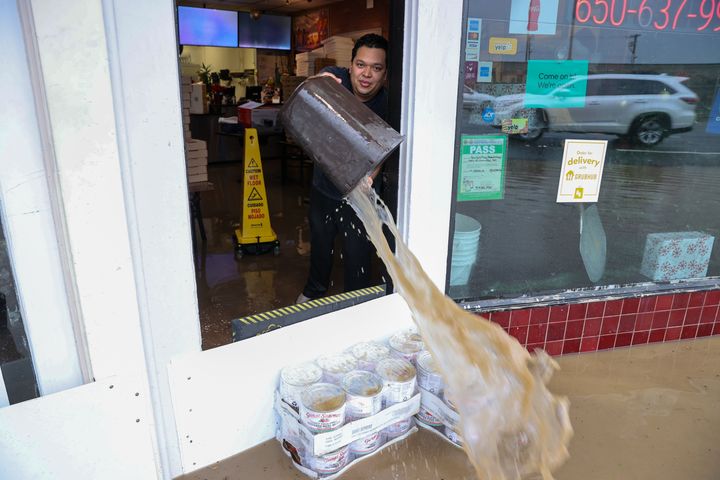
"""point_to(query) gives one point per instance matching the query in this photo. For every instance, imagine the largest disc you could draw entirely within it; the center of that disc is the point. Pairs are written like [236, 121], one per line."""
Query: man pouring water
[329, 215]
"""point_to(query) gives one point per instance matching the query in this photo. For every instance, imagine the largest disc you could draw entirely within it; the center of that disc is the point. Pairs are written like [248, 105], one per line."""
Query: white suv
[645, 108]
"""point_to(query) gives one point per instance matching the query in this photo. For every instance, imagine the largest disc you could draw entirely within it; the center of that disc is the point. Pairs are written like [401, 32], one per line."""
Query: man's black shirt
[377, 104]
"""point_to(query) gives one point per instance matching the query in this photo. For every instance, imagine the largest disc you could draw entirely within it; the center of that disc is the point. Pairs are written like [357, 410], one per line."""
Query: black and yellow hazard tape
[264, 322]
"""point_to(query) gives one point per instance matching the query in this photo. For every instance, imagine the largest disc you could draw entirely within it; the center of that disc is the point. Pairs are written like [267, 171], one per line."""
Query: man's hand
[327, 74]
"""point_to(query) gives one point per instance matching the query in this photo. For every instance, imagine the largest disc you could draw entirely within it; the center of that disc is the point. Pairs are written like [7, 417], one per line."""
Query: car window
[654, 87]
[615, 86]
[594, 87]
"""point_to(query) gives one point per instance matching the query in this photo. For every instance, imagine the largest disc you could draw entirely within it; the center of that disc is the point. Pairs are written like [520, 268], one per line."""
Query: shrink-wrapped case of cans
[439, 416]
[346, 406]
[437, 412]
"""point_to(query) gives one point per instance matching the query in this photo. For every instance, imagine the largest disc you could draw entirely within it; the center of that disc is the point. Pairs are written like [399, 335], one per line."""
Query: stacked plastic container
[347, 406]
[466, 241]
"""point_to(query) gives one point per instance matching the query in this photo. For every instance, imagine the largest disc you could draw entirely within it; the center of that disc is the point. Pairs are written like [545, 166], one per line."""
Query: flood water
[511, 425]
[645, 412]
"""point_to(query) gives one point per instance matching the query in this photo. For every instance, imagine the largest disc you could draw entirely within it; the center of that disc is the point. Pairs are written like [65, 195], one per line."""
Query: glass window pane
[15, 359]
[571, 75]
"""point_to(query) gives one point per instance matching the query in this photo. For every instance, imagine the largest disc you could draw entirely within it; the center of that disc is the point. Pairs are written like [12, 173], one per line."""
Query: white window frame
[28, 216]
[110, 137]
[108, 70]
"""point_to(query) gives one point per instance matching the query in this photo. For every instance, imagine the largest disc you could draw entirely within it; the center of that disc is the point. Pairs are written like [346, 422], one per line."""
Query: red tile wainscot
[606, 324]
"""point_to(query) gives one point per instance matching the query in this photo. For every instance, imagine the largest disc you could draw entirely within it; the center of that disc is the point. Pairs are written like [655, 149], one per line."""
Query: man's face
[367, 72]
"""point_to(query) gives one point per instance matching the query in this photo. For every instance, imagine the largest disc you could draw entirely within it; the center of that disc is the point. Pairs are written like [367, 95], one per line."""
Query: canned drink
[399, 380]
[447, 398]
[406, 344]
[322, 407]
[335, 366]
[363, 392]
[428, 375]
[367, 444]
[331, 462]
[295, 378]
[428, 417]
[364, 399]
[453, 436]
[398, 428]
[368, 354]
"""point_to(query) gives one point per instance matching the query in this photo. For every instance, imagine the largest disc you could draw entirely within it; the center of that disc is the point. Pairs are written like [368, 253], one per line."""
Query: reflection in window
[15, 359]
[652, 94]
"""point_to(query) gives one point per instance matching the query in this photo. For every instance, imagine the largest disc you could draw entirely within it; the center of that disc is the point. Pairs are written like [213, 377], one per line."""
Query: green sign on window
[482, 167]
[556, 84]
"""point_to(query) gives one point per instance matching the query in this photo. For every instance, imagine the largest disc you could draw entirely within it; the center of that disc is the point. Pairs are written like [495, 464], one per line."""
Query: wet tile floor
[646, 412]
[228, 288]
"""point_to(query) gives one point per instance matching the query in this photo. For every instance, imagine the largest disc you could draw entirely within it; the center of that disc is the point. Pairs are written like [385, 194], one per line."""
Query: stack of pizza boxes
[195, 150]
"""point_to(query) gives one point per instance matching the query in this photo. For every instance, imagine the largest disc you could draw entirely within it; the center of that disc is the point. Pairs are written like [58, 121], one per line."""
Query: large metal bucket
[345, 139]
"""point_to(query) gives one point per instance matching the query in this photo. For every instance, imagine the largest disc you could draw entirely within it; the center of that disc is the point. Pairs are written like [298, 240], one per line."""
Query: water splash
[512, 425]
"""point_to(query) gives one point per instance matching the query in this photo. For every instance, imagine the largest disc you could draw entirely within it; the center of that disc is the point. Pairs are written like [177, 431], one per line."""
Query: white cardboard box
[197, 177]
[197, 170]
[198, 102]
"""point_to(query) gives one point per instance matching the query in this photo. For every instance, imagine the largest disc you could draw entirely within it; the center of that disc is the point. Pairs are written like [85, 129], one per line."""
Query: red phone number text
[658, 14]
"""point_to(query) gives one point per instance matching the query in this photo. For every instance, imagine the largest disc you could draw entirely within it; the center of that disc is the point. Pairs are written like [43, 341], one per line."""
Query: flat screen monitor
[267, 31]
[207, 27]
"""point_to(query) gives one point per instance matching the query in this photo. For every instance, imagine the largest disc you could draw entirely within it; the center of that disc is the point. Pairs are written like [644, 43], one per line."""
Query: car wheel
[649, 130]
[536, 126]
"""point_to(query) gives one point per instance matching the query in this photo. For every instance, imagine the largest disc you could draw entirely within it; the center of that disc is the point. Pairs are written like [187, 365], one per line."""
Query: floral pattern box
[676, 255]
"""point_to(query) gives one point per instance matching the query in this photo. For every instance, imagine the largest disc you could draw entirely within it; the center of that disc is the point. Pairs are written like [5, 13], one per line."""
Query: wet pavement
[645, 412]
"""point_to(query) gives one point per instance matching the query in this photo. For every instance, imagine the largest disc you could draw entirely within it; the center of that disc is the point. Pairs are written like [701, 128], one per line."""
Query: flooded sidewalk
[648, 412]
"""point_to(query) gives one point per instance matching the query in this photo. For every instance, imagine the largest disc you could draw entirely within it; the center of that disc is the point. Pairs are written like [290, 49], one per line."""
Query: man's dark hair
[370, 40]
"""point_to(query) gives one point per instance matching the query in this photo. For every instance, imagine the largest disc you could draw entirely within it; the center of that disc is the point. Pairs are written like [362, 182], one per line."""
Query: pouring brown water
[512, 425]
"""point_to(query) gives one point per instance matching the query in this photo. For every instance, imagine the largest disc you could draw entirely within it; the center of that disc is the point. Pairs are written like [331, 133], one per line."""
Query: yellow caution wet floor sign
[255, 228]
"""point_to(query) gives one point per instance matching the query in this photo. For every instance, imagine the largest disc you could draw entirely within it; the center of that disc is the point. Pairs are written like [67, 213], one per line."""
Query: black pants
[328, 218]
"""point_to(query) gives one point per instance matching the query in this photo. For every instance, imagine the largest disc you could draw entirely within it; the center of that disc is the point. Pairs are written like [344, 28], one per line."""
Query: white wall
[141, 45]
[234, 59]
[102, 430]
[432, 51]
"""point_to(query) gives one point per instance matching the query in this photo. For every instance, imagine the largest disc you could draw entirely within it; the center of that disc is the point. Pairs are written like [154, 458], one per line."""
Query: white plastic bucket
[466, 226]
[464, 259]
[460, 274]
[466, 241]
[465, 249]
